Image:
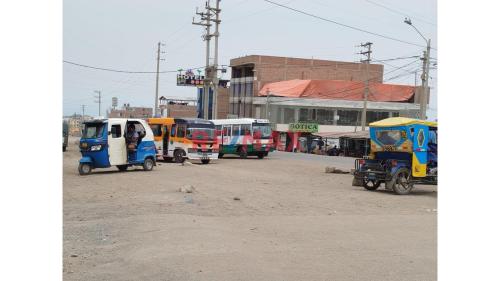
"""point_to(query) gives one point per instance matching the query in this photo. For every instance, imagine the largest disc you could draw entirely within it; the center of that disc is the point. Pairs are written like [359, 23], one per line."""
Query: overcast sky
[123, 35]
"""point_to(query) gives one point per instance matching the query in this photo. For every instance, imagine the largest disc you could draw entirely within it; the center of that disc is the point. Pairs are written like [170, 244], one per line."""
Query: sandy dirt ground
[292, 221]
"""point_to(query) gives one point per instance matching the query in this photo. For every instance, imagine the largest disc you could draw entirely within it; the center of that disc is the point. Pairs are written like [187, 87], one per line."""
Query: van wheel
[261, 155]
[122, 167]
[205, 161]
[371, 184]
[179, 156]
[401, 182]
[84, 169]
[148, 164]
[242, 152]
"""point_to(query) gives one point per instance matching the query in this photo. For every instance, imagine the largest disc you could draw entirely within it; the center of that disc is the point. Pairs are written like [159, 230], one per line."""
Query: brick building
[250, 73]
[131, 112]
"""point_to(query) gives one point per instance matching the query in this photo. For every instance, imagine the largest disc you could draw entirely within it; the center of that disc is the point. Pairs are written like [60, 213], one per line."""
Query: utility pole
[211, 80]
[267, 104]
[367, 53]
[215, 78]
[205, 21]
[83, 113]
[425, 73]
[98, 100]
[425, 82]
[158, 59]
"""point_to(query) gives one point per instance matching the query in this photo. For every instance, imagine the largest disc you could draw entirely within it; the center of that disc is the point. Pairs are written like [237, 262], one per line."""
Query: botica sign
[303, 127]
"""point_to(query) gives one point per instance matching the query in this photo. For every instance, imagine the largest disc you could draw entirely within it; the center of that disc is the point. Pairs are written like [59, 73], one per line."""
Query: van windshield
[93, 130]
[261, 131]
[200, 133]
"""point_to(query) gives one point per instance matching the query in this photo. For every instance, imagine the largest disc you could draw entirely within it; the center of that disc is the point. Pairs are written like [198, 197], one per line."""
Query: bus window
[156, 128]
[181, 131]
[172, 131]
[236, 130]
[226, 130]
[261, 131]
[218, 130]
[246, 129]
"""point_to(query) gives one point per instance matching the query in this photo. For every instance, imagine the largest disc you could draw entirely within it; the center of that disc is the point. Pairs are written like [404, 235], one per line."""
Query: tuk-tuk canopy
[401, 121]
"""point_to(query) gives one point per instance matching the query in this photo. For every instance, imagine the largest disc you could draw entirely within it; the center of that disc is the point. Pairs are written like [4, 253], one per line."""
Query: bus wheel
[401, 182]
[371, 184]
[179, 156]
[148, 164]
[84, 169]
[261, 155]
[242, 152]
[122, 167]
[205, 161]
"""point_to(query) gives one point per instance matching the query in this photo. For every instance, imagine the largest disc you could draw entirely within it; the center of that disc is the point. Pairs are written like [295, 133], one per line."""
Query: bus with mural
[179, 139]
[244, 137]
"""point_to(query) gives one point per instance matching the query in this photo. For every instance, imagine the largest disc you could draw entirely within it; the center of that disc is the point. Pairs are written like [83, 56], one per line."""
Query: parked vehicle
[116, 142]
[65, 135]
[244, 137]
[184, 138]
[403, 153]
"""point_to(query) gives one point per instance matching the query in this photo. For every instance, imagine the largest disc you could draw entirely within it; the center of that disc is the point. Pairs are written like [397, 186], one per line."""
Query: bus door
[226, 134]
[166, 134]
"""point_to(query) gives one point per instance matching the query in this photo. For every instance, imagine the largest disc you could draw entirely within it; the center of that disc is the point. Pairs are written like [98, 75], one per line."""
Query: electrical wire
[398, 12]
[344, 25]
[123, 71]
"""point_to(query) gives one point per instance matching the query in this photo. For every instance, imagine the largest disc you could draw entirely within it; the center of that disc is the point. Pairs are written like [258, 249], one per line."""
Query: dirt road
[292, 222]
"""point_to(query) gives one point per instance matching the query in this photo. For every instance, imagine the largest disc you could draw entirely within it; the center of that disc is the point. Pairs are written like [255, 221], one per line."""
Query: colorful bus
[184, 138]
[244, 137]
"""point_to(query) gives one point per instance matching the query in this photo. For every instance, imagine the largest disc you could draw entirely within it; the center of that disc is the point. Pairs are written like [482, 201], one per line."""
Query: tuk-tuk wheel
[261, 155]
[84, 169]
[401, 182]
[205, 161]
[371, 184]
[148, 164]
[122, 167]
[221, 155]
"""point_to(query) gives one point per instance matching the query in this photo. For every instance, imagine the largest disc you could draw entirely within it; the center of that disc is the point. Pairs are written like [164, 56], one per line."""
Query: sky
[123, 35]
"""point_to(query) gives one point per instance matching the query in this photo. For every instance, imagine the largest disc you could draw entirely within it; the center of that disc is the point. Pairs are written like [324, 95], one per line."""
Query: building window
[373, 116]
[325, 116]
[348, 117]
[304, 115]
[395, 114]
[289, 115]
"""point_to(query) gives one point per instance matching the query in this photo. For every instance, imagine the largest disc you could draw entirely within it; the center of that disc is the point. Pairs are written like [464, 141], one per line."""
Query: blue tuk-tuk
[106, 143]
[403, 152]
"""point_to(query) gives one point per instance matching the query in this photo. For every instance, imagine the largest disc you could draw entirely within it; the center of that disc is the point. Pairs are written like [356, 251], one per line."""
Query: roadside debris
[236, 198]
[335, 170]
[186, 189]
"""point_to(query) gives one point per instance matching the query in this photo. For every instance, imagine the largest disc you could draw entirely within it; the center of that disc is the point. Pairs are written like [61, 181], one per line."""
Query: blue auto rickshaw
[403, 152]
[105, 143]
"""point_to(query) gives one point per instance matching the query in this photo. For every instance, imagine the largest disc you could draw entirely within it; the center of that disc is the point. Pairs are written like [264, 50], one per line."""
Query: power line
[398, 12]
[344, 25]
[122, 71]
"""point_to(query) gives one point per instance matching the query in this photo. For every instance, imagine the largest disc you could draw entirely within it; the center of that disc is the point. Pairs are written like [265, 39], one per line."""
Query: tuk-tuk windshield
[93, 130]
[388, 137]
[200, 133]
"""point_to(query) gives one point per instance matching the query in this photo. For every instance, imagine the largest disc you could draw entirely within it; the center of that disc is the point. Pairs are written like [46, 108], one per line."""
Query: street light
[425, 73]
